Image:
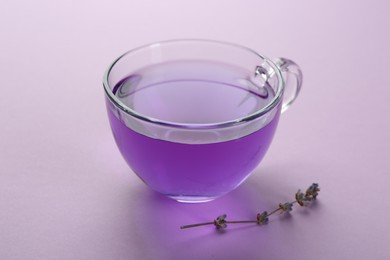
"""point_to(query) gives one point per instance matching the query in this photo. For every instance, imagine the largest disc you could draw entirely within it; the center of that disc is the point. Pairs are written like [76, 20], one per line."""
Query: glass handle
[292, 76]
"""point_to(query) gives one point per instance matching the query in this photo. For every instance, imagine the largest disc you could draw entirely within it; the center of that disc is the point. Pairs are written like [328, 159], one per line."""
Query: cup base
[191, 199]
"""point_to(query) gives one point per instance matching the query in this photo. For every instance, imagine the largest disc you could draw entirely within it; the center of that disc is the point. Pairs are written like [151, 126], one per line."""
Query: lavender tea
[194, 118]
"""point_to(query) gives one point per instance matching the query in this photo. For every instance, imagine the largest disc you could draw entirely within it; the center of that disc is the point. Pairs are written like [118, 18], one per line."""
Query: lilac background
[66, 193]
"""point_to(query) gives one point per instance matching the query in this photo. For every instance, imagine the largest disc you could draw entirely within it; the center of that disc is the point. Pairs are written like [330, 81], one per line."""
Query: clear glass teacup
[194, 118]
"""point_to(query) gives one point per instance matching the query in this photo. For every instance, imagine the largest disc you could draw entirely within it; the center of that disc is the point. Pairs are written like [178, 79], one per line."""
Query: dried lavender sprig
[303, 199]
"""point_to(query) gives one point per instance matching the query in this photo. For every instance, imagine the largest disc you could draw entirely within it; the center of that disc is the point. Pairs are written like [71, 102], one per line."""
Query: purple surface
[66, 193]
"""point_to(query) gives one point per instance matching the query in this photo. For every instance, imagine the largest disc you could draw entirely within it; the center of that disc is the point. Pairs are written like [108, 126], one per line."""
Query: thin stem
[210, 223]
[197, 225]
[276, 210]
[241, 221]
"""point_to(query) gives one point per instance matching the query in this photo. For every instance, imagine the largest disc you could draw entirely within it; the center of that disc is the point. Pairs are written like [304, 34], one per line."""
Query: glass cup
[194, 118]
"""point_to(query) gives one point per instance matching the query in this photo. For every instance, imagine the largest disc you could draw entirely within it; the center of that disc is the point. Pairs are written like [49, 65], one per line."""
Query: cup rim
[264, 110]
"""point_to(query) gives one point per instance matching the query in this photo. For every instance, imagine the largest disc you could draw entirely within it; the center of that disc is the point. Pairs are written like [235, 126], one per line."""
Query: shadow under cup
[194, 118]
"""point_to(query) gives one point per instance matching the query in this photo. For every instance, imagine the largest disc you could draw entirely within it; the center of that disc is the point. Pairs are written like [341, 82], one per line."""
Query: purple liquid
[191, 171]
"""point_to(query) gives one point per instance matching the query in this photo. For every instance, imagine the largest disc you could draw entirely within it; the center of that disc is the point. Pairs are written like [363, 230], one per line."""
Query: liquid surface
[193, 92]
